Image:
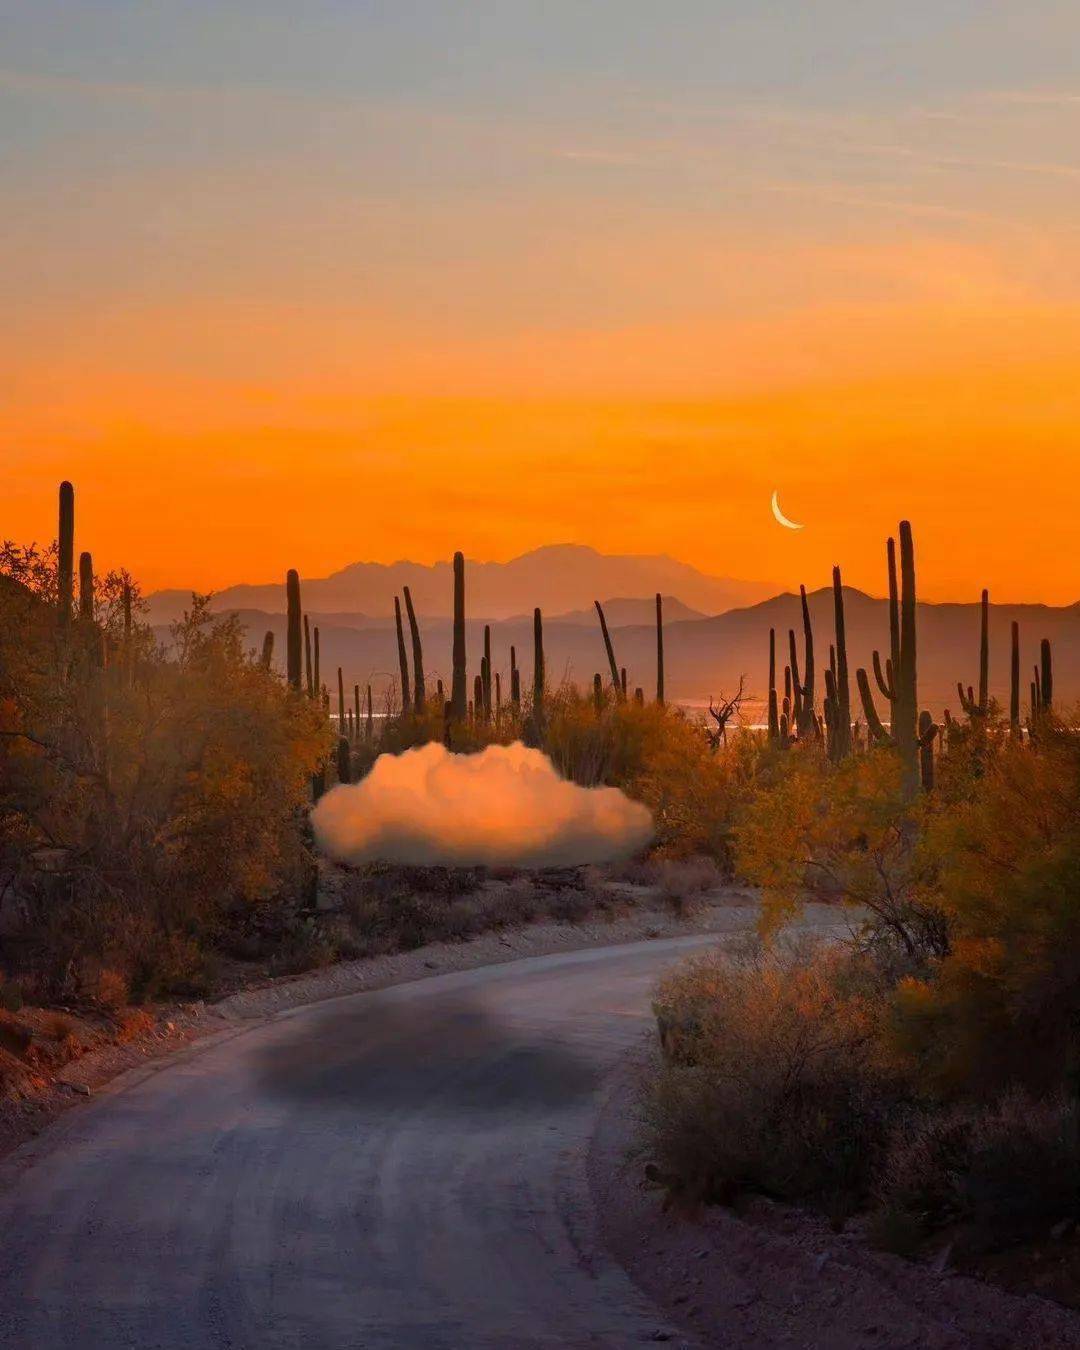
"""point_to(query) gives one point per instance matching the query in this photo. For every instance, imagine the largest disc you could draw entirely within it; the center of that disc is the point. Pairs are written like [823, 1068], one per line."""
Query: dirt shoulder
[774, 1276]
[75, 1054]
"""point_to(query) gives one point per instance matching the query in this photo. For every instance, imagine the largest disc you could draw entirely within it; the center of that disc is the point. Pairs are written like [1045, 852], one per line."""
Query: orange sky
[263, 327]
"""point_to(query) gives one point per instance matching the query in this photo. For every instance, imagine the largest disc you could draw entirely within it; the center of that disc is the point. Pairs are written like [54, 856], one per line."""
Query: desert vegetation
[919, 1075]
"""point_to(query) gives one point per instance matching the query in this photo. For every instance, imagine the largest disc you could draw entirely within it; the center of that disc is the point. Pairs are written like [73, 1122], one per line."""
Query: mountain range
[559, 578]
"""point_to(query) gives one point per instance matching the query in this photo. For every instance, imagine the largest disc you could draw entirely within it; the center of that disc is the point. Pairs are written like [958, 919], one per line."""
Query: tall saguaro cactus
[615, 679]
[459, 693]
[1014, 682]
[66, 554]
[515, 681]
[403, 660]
[307, 659]
[774, 712]
[341, 701]
[293, 640]
[900, 684]
[316, 671]
[1046, 675]
[842, 729]
[86, 588]
[485, 670]
[419, 685]
[659, 649]
[356, 709]
[979, 707]
[538, 666]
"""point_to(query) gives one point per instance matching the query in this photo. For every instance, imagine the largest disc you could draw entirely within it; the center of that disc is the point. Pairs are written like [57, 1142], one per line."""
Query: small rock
[703, 1254]
[81, 1088]
[659, 1335]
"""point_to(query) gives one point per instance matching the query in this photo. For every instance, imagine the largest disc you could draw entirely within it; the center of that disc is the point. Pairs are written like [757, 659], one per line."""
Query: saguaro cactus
[459, 693]
[65, 579]
[293, 644]
[515, 681]
[615, 680]
[86, 587]
[356, 709]
[483, 711]
[419, 685]
[403, 660]
[268, 650]
[843, 687]
[316, 672]
[899, 683]
[370, 729]
[1014, 681]
[341, 701]
[598, 693]
[659, 649]
[538, 666]
[1046, 675]
[307, 659]
[485, 670]
[344, 760]
[774, 711]
[979, 707]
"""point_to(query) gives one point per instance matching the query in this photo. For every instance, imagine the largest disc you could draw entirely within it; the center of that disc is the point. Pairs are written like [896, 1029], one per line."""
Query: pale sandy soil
[778, 1277]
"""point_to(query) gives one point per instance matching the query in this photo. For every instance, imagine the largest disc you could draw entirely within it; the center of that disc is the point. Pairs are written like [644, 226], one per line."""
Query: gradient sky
[295, 285]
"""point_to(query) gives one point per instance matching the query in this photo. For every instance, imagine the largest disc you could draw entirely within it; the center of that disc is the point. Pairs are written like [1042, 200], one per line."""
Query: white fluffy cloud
[504, 807]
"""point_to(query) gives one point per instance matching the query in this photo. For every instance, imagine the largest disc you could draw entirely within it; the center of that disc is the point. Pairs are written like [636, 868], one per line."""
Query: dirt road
[397, 1168]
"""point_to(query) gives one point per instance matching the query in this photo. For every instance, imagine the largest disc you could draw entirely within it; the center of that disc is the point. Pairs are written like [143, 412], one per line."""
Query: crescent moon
[781, 518]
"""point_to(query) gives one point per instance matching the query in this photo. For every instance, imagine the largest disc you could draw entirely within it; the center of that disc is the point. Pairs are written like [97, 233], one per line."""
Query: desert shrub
[773, 1076]
[844, 832]
[1004, 1172]
[1002, 1006]
[143, 790]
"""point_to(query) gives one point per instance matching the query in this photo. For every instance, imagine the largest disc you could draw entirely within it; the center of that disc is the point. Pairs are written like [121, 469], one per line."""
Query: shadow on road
[449, 1057]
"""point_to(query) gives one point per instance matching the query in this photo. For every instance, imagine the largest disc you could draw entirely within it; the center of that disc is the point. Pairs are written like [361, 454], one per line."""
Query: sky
[299, 285]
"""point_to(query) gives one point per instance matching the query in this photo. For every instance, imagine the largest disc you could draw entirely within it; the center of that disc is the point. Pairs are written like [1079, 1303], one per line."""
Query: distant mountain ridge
[707, 656]
[560, 578]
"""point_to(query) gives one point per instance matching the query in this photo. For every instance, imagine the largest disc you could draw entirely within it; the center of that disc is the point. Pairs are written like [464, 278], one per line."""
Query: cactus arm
[884, 678]
[873, 722]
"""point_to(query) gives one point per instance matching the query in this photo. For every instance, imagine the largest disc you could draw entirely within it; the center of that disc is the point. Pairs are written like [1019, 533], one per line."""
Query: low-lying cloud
[504, 807]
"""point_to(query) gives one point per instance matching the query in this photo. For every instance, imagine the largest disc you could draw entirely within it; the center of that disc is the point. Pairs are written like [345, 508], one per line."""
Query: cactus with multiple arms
[972, 706]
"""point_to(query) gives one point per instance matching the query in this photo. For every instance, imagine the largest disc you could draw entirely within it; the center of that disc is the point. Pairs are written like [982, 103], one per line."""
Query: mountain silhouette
[560, 578]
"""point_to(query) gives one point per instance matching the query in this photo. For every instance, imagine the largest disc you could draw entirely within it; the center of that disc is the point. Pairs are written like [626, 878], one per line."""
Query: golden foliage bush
[142, 790]
[773, 1077]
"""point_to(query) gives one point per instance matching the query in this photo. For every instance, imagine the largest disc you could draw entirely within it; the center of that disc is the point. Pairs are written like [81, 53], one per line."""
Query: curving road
[391, 1169]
